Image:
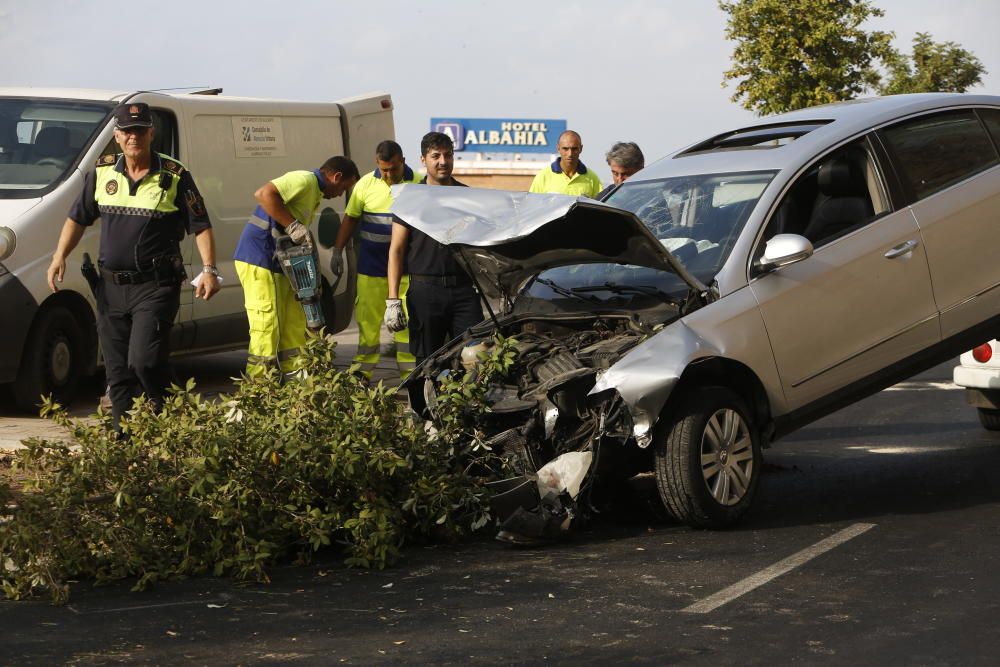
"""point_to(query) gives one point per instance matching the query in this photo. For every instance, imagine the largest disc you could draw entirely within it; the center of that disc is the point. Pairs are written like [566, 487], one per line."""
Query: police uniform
[370, 202]
[141, 268]
[277, 321]
[441, 302]
[552, 179]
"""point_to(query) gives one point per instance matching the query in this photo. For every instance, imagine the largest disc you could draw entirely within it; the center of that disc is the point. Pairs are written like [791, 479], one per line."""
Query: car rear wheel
[990, 419]
[52, 362]
[708, 460]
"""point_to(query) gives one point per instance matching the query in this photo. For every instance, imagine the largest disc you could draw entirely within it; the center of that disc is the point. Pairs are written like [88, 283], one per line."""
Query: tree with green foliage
[792, 54]
[934, 67]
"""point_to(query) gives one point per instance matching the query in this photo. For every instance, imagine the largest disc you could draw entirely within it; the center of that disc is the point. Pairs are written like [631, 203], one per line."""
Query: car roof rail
[760, 136]
[193, 90]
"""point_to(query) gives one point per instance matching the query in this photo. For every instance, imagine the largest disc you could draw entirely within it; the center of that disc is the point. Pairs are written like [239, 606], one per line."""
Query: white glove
[395, 318]
[336, 262]
[298, 232]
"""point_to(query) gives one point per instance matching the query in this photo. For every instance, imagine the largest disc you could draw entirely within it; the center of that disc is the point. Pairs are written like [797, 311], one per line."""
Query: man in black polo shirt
[441, 301]
[146, 202]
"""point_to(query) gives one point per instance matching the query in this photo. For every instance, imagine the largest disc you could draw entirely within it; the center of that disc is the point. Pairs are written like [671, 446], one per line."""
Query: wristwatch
[210, 268]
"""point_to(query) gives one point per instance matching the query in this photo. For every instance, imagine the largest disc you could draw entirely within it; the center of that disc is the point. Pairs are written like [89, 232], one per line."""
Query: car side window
[992, 119]
[936, 151]
[840, 192]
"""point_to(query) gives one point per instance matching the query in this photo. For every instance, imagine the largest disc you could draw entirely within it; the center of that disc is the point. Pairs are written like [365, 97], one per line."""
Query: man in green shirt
[370, 205]
[567, 175]
[285, 205]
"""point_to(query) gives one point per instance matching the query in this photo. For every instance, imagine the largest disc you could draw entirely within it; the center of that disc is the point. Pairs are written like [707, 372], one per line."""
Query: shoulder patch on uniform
[173, 167]
[107, 160]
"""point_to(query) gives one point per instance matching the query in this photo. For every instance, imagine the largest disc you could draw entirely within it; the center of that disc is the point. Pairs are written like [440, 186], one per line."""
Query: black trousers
[133, 324]
[438, 314]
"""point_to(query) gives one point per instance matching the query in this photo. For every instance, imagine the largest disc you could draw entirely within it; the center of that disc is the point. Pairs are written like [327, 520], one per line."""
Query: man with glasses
[147, 202]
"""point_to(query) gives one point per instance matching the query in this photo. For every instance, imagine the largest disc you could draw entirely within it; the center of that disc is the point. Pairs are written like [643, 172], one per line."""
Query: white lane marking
[730, 593]
[924, 385]
[220, 603]
[907, 450]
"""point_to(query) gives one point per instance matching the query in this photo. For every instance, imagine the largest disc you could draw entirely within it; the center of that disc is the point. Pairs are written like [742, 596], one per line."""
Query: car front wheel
[708, 459]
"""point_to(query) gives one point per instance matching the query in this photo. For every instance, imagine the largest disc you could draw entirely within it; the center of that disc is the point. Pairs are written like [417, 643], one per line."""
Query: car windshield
[40, 140]
[697, 218]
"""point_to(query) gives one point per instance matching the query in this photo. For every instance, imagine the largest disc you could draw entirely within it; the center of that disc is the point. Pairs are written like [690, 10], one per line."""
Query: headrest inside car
[836, 178]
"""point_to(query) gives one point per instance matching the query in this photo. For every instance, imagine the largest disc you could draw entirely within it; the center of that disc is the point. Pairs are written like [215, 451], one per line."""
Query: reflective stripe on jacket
[301, 191]
[370, 203]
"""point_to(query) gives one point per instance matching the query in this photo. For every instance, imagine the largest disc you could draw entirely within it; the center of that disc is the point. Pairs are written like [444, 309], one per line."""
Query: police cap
[133, 114]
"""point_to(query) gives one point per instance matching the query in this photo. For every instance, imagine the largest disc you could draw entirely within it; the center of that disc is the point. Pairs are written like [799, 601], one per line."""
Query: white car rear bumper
[978, 378]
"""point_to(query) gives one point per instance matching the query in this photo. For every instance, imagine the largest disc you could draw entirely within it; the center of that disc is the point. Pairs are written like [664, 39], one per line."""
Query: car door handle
[901, 249]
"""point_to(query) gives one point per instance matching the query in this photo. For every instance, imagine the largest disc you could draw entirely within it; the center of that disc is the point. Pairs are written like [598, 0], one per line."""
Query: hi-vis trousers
[277, 321]
[369, 311]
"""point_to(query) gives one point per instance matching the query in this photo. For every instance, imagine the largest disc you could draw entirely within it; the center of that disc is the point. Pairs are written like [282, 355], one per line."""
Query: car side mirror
[785, 249]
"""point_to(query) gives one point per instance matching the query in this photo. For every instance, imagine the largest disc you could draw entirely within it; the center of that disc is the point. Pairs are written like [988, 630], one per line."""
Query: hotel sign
[501, 135]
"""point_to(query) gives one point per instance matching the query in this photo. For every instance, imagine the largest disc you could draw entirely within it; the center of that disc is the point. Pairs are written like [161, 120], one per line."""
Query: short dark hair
[435, 140]
[388, 150]
[339, 163]
[627, 154]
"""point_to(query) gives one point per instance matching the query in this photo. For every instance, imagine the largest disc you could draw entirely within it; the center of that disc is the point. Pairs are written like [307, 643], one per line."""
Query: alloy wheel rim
[727, 457]
[61, 359]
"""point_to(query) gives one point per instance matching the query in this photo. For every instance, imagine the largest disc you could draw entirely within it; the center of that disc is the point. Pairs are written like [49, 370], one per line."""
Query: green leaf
[191, 492]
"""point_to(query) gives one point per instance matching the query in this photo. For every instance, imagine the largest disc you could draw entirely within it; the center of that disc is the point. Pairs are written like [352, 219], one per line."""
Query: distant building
[501, 153]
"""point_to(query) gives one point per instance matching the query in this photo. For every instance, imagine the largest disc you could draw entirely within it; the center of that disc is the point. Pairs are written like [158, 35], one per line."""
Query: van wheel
[52, 362]
[990, 419]
[708, 460]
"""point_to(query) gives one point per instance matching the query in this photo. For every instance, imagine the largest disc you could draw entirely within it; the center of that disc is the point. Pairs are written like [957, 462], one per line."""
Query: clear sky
[634, 70]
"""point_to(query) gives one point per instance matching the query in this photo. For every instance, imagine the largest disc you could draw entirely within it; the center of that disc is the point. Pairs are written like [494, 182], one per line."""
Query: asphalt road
[873, 541]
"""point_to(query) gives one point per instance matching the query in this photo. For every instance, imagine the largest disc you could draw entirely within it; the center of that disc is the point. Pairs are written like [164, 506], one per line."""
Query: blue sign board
[502, 135]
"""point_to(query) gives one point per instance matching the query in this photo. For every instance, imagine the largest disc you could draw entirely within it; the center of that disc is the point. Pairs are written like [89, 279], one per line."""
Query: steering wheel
[50, 162]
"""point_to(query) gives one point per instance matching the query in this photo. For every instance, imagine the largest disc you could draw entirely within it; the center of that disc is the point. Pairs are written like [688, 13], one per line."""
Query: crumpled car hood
[504, 238]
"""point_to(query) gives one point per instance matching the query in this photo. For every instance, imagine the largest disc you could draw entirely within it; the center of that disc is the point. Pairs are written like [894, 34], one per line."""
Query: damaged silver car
[725, 296]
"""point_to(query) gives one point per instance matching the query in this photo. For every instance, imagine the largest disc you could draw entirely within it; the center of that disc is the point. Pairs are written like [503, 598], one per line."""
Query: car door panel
[958, 226]
[849, 310]
[947, 165]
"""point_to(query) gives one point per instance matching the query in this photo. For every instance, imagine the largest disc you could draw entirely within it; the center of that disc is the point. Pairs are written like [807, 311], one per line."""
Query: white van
[49, 138]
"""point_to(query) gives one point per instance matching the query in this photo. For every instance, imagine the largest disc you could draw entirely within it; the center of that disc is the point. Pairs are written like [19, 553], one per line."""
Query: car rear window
[936, 151]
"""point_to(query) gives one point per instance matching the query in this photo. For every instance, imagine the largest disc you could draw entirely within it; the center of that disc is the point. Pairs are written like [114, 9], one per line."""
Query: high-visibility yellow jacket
[552, 179]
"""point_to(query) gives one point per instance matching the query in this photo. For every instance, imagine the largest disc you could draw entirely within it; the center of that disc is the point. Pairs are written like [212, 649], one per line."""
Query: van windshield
[41, 140]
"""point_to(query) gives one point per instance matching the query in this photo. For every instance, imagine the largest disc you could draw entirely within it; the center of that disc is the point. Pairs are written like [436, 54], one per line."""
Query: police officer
[370, 203]
[147, 202]
[441, 300]
[285, 205]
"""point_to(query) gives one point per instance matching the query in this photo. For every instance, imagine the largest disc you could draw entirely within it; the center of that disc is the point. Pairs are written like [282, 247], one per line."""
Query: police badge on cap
[133, 114]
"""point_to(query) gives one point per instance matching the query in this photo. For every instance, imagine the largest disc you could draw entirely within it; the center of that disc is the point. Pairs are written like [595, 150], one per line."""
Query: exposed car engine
[541, 411]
